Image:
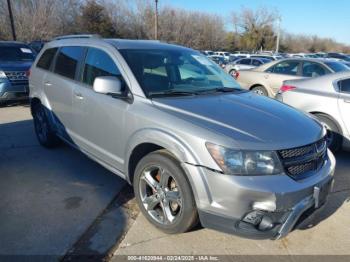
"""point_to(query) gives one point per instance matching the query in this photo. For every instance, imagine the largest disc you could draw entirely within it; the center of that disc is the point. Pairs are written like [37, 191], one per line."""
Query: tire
[163, 193]
[260, 90]
[43, 129]
[334, 136]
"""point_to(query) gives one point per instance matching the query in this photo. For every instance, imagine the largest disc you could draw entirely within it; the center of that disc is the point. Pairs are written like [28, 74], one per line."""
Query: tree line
[246, 29]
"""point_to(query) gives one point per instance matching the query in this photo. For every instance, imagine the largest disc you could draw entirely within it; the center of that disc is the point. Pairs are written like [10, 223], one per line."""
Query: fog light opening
[266, 224]
[259, 220]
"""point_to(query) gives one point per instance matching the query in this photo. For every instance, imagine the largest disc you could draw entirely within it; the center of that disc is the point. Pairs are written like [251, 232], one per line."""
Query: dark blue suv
[15, 61]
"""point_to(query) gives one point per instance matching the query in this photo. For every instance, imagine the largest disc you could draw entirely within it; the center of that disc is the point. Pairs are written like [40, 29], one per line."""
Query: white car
[208, 52]
[244, 64]
[326, 97]
[225, 55]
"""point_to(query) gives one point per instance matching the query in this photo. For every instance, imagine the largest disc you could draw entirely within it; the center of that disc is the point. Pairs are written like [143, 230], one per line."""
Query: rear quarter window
[46, 58]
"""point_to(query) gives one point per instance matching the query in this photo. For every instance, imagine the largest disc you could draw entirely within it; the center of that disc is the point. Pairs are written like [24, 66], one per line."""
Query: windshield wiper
[222, 90]
[171, 93]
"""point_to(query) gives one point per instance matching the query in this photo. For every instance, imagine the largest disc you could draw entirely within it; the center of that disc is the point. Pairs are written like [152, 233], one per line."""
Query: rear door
[41, 69]
[344, 102]
[99, 119]
[285, 70]
[59, 86]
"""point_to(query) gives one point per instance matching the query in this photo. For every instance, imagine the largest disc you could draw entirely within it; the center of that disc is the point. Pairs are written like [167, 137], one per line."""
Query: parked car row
[268, 78]
[193, 143]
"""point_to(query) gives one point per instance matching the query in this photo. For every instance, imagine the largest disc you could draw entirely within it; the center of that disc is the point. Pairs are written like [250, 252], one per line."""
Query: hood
[15, 65]
[252, 121]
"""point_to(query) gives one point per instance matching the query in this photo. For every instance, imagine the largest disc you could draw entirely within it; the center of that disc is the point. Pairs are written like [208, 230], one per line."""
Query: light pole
[278, 34]
[156, 21]
[11, 20]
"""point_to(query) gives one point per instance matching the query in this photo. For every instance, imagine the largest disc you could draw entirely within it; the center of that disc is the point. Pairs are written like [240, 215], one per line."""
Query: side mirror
[108, 85]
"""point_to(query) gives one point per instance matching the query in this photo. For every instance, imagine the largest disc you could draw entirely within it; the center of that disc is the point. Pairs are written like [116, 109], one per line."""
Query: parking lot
[59, 202]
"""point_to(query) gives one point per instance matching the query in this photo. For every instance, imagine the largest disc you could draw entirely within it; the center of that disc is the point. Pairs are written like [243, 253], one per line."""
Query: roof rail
[76, 36]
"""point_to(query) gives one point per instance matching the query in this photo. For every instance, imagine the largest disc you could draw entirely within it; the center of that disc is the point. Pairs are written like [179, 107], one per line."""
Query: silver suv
[194, 145]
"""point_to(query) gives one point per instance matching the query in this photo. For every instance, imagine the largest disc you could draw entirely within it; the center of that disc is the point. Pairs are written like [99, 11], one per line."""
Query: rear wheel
[334, 136]
[43, 129]
[260, 90]
[164, 194]
[233, 73]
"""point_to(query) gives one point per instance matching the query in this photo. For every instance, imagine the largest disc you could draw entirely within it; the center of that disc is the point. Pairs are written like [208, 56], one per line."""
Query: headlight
[2, 74]
[250, 163]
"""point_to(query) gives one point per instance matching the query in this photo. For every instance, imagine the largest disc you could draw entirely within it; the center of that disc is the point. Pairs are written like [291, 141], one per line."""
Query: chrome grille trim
[302, 162]
[17, 77]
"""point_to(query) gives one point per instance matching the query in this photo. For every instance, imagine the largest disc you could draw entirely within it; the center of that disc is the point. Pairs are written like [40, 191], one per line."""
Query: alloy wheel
[160, 195]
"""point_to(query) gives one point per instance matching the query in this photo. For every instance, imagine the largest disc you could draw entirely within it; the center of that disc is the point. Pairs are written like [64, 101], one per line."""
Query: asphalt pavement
[52, 199]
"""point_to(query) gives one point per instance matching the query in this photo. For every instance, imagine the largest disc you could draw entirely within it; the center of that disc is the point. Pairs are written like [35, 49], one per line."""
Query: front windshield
[337, 66]
[166, 71]
[15, 53]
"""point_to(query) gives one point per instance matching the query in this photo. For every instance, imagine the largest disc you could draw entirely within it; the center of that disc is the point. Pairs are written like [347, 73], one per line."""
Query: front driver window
[285, 68]
[311, 69]
[98, 63]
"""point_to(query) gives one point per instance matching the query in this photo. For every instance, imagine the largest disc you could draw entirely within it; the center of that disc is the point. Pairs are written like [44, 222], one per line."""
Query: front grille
[302, 162]
[17, 77]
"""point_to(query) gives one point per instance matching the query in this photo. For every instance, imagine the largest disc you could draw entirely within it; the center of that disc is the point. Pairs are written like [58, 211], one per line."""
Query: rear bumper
[265, 207]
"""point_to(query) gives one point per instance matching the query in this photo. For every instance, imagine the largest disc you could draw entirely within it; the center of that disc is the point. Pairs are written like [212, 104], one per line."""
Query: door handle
[347, 100]
[78, 95]
[48, 84]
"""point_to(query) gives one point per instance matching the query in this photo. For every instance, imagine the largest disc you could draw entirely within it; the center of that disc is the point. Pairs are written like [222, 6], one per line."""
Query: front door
[99, 119]
[282, 71]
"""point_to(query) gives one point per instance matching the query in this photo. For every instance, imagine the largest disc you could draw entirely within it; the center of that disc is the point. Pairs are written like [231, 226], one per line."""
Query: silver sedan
[327, 98]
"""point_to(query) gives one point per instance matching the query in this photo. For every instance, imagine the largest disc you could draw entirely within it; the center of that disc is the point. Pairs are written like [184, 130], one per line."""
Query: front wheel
[260, 90]
[164, 194]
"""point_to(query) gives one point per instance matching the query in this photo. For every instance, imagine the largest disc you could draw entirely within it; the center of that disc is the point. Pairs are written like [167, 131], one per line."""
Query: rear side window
[46, 58]
[68, 60]
[98, 63]
[344, 85]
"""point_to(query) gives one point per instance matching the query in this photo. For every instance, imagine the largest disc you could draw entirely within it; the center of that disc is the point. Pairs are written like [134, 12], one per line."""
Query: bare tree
[255, 27]
[252, 29]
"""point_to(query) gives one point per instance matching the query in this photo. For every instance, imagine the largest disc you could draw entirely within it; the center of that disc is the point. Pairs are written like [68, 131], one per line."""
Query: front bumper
[266, 207]
[9, 92]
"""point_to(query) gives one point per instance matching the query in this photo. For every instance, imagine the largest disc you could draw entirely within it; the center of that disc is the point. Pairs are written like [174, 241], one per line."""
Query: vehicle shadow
[339, 195]
[57, 201]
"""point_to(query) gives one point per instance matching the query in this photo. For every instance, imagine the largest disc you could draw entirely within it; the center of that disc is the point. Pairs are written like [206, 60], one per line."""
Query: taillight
[28, 73]
[286, 88]
[236, 74]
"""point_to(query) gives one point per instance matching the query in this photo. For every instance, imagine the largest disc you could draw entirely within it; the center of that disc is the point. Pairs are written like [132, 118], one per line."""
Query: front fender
[179, 148]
